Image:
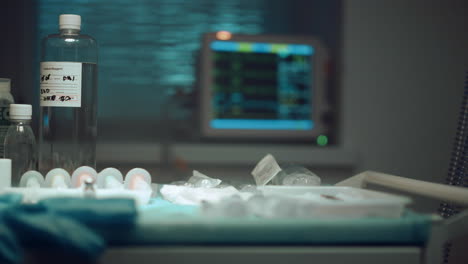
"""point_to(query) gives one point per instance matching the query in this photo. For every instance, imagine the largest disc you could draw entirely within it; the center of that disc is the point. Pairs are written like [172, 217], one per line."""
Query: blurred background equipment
[263, 87]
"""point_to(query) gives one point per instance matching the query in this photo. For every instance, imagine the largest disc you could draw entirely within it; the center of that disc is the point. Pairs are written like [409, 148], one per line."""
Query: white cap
[81, 174]
[112, 172]
[32, 174]
[5, 173]
[58, 173]
[20, 111]
[136, 172]
[5, 85]
[69, 21]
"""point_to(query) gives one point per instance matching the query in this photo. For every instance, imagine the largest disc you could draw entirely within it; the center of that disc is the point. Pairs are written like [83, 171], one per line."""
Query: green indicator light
[322, 140]
[279, 48]
[245, 47]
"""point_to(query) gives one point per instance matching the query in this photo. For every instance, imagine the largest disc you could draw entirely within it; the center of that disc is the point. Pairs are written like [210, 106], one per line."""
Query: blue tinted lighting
[261, 47]
[266, 124]
[46, 120]
[224, 46]
[257, 47]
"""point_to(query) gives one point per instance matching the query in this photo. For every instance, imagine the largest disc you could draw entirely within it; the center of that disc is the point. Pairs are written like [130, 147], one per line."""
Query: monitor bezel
[318, 106]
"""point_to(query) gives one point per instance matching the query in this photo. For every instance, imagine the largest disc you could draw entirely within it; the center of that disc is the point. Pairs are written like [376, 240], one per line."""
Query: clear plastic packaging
[200, 180]
[267, 170]
[296, 176]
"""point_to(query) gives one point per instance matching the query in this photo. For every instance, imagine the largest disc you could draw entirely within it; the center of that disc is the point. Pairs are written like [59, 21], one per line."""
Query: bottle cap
[20, 111]
[69, 21]
[5, 85]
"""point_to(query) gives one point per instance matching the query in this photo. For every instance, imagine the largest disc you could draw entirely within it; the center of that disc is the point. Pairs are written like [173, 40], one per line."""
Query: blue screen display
[261, 86]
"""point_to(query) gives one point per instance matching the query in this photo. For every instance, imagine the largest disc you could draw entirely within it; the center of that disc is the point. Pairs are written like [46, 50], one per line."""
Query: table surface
[162, 222]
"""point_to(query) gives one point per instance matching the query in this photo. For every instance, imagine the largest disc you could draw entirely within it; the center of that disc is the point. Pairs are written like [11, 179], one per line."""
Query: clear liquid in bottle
[20, 143]
[68, 98]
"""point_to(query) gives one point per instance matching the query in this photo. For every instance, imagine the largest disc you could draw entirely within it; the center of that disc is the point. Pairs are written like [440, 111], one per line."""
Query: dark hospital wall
[17, 28]
[403, 77]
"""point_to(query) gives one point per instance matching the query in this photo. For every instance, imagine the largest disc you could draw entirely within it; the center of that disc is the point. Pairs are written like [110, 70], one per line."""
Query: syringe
[81, 174]
[110, 178]
[32, 179]
[58, 178]
[138, 179]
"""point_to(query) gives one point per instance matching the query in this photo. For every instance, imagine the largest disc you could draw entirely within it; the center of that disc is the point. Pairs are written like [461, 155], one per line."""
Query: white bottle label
[265, 170]
[60, 84]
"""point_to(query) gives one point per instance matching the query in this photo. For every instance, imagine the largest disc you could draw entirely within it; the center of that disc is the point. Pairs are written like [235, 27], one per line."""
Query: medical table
[413, 238]
[162, 231]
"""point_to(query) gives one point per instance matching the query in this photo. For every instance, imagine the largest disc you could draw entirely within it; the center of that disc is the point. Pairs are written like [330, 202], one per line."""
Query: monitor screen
[261, 87]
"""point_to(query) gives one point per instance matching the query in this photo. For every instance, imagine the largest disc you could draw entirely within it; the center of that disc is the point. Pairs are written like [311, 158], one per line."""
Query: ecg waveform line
[261, 86]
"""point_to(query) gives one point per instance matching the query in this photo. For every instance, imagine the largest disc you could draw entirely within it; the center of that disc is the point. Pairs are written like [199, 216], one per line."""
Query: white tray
[349, 202]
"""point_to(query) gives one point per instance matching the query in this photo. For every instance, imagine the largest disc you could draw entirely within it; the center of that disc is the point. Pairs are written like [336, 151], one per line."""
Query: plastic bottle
[5, 100]
[68, 98]
[20, 143]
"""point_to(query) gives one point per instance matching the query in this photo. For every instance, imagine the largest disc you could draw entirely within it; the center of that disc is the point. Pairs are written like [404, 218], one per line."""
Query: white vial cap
[82, 173]
[69, 21]
[20, 111]
[134, 174]
[112, 172]
[58, 173]
[5, 85]
[5, 172]
[30, 175]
